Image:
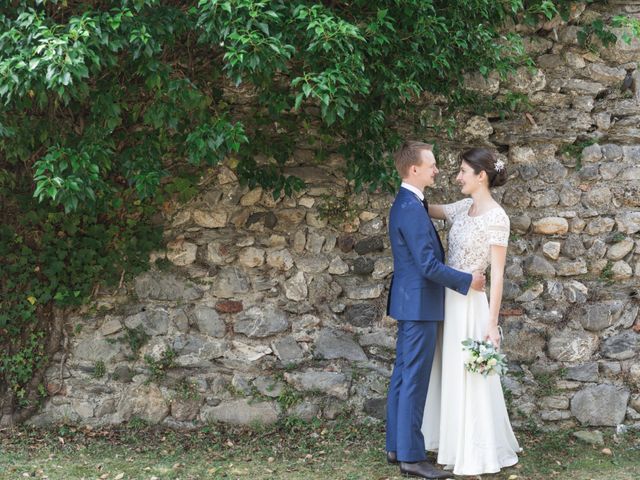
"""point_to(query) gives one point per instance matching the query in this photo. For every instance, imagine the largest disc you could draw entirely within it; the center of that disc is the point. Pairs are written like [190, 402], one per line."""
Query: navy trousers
[415, 348]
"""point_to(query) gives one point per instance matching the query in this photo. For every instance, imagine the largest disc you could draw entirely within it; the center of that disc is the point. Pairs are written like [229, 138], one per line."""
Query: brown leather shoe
[392, 458]
[423, 470]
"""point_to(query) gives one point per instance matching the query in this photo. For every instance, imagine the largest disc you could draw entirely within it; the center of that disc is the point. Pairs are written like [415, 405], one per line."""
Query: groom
[416, 300]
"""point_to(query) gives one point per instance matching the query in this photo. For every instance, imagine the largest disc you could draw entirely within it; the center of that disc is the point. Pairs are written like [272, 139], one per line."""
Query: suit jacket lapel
[426, 207]
[436, 233]
[404, 191]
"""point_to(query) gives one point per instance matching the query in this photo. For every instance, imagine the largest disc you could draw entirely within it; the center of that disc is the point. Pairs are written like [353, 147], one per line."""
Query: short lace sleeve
[452, 210]
[498, 228]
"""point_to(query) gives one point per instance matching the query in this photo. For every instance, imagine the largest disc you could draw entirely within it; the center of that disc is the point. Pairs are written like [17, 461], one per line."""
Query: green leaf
[264, 27]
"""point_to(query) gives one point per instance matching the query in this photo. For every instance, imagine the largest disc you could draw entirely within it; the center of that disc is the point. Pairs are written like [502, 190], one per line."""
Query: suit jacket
[419, 274]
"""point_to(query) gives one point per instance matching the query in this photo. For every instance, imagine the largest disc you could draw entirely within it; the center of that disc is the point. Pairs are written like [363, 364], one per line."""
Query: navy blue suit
[416, 300]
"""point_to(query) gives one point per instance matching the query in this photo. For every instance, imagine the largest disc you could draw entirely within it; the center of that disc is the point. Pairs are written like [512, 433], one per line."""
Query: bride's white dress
[465, 416]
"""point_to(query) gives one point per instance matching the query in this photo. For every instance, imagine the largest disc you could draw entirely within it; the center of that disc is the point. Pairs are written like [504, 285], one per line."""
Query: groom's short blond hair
[408, 155]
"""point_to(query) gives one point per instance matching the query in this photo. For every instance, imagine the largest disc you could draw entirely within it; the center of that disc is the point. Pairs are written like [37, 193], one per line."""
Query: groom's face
[427, 170]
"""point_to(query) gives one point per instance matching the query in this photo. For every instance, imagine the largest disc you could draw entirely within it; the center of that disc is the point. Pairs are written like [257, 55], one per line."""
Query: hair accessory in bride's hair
[499, 166]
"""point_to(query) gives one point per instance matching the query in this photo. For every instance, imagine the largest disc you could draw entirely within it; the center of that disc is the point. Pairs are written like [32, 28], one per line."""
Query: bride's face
[469, 180]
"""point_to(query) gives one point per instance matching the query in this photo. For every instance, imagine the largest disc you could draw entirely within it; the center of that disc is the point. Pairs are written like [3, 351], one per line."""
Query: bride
[465, 417]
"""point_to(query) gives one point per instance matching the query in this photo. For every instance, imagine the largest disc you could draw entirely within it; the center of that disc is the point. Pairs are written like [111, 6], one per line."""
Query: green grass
[290, 450]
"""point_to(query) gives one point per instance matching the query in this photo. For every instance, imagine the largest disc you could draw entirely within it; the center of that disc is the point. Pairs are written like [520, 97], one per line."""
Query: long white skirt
[465, 418]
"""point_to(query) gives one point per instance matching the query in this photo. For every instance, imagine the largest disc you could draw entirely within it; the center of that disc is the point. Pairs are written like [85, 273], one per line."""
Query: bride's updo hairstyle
[480, 159]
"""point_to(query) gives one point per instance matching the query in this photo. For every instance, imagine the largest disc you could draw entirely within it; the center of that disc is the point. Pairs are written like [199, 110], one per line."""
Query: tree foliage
[101, 96]
[107, 107]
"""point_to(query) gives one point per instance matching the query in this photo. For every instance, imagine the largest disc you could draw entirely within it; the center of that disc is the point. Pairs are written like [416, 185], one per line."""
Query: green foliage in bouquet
[484, 358]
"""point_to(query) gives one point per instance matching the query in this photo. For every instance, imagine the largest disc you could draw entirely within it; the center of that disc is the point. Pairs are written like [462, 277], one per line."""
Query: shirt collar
[413, 189]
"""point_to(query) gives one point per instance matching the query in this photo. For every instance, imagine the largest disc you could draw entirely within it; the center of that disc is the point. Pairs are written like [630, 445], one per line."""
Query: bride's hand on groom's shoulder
[478, 281]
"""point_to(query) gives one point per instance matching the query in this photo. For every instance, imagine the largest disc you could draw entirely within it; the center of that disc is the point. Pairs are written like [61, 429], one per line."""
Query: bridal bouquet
[484, 358]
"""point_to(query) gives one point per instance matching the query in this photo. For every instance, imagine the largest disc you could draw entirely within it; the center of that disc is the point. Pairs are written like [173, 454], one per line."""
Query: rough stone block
[331, 383]
[622, 346]
[209, 322]
[165, 286]
[181, 253]
[259, 322]
[369, 245]
[287, 350]
[241, 412]
[598, 316]
[207, 219]
[572, 346]
[600, 405]
[145, 402]
[333, 344]
[587, 372]
[296, 287]
[551, 226]
[362, 314]
[251, 257]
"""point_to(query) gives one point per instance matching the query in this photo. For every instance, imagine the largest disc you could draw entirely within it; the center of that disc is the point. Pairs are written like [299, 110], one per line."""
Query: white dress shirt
[413, 189]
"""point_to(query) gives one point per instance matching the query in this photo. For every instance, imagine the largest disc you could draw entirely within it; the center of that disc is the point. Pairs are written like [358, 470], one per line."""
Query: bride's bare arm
[436, 211]
[498, 260]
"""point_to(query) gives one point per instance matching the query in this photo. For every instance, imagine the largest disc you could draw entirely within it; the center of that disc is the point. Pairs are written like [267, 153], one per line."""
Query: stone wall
[261, 308]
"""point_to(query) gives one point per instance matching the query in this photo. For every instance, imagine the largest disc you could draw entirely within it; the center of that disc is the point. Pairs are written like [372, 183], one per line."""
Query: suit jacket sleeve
[422, 245]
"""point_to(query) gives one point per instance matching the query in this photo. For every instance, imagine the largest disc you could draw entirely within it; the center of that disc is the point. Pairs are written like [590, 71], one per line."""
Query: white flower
[483, 357]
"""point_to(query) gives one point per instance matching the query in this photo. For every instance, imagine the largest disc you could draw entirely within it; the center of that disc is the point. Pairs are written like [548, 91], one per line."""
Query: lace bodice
[470, 238]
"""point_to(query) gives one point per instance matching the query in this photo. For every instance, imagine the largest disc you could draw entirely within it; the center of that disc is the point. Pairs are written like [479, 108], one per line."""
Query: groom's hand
[478, 281]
